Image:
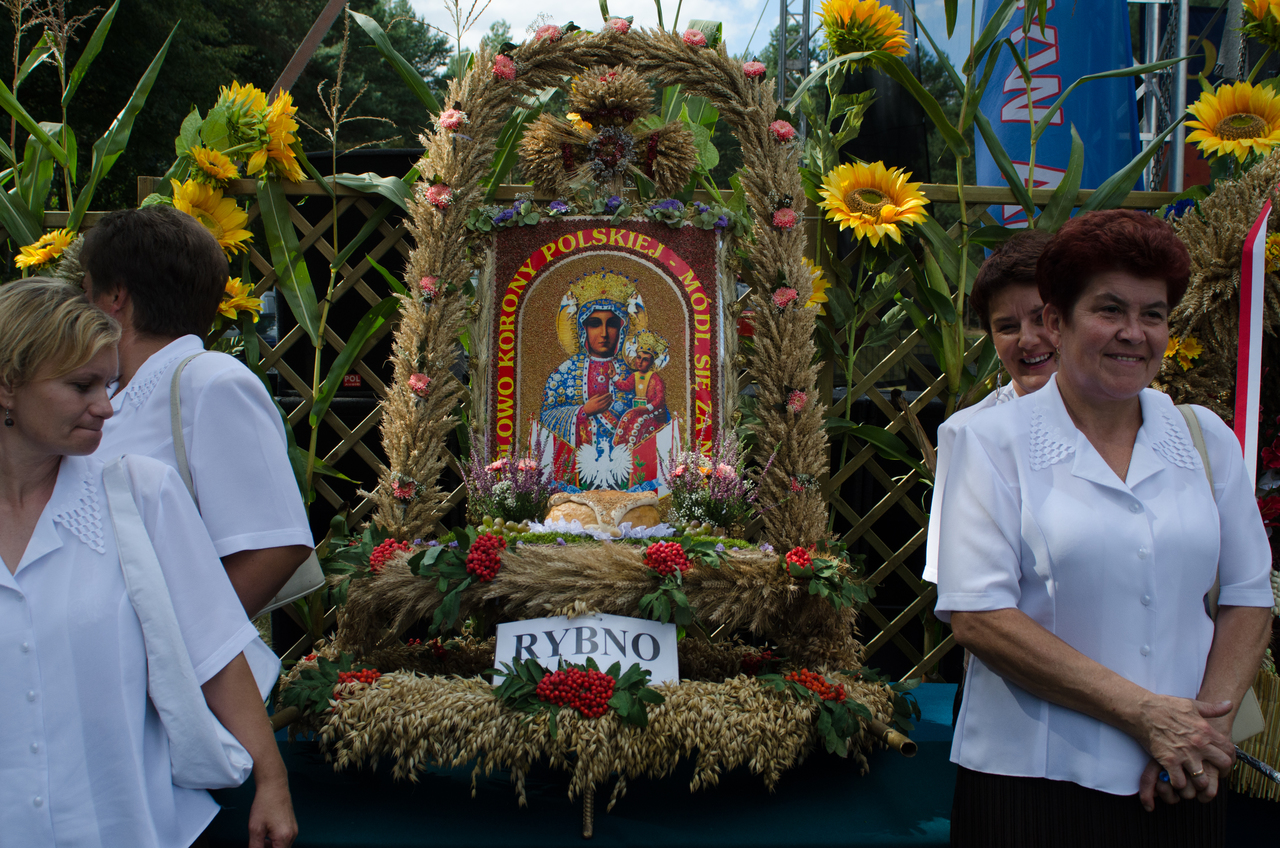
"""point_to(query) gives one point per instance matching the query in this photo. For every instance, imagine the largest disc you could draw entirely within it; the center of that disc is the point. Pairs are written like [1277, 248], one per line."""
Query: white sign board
[605, 638]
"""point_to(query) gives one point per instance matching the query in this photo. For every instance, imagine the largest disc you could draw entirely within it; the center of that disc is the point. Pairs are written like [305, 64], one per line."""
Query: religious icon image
[604, 419]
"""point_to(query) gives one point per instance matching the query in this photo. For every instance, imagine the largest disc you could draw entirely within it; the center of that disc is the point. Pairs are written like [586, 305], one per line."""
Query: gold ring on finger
[1198, 773]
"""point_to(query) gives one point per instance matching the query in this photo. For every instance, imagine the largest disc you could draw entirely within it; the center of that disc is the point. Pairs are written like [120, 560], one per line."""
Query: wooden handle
[892, 738]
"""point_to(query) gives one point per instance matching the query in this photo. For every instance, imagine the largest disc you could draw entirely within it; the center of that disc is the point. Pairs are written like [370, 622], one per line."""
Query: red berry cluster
[818, 684]
[482, 559]
[309, 658]
[800, 557]
[366, 675]
[437, 647]
[586, 690]
[384, 552]
[666, 557]
[753, 661]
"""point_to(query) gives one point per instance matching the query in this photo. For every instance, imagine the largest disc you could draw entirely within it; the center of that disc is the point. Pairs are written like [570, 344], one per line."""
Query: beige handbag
[1249, 721]
[309, 576]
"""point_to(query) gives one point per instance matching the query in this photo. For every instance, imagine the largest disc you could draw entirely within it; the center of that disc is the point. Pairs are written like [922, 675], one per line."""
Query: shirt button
[35, 747]
[1146, 600]
[1146, 649]
[37, 801]
[31, 696]
[1135, 507]
[26, 646]
[1143, 552]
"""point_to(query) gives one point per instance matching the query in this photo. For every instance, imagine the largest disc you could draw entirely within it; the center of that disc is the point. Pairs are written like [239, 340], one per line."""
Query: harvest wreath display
[769, 666]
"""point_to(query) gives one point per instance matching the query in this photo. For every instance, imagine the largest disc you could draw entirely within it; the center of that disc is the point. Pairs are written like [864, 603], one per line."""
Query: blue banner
[1080, 37]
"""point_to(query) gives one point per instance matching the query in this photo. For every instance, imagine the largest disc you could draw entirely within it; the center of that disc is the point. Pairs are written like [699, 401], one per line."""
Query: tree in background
[219, 41]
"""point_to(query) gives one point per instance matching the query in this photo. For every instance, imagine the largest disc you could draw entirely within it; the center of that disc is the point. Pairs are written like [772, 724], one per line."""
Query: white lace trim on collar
[1175, 446]
[1048, 443]
[84, 518]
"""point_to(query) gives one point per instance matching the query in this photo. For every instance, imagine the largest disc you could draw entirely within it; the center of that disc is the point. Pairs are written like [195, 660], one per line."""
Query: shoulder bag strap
[1197, 437]
[175, 423]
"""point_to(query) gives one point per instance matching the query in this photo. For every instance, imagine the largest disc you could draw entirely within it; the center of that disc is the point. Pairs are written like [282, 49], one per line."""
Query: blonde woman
[84, 759]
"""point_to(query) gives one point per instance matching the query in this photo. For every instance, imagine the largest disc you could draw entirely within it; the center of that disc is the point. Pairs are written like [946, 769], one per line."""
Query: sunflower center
[211, 223]
[1241, 125]
[868, 201]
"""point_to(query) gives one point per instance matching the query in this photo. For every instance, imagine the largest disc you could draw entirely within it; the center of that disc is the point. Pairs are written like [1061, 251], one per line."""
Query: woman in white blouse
[84, 759]
[1008, 306]
[1079, 538]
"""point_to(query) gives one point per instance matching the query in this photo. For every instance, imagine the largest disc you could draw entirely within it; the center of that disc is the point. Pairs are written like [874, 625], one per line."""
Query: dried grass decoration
[428, 704]
[611, 136]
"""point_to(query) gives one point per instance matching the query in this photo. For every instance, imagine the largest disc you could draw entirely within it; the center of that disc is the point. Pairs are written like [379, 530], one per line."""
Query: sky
[739, 17]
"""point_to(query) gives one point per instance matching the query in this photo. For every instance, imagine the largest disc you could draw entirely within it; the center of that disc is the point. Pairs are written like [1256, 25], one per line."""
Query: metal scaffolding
[793, 49]
[1164, 93]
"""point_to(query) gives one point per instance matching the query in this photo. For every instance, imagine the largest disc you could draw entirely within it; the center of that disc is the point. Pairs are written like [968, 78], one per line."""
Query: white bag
[309, 576]
[203, 754]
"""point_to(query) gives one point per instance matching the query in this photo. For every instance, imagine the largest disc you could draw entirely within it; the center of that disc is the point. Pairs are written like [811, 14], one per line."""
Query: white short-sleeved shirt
[236, 445]
[84, 760]
[1035, 519]
[946, 439]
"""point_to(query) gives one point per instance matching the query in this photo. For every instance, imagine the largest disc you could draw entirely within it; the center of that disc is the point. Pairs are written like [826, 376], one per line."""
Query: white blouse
[1035, 519]
[236, 445]
[84, 760]
[946, 440]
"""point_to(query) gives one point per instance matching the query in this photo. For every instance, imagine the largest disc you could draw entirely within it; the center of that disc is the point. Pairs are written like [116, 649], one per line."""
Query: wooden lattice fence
[878, 507]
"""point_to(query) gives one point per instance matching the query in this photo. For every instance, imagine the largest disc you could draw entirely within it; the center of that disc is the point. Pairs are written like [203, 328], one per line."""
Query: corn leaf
[91, 49]
[293, 278]
[1058, 210]
[402, 67]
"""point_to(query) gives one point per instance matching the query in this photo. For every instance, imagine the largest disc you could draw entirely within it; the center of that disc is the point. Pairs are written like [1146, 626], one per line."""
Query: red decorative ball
[482, 559]
[384, 552]
[666, 557]
[801, 557]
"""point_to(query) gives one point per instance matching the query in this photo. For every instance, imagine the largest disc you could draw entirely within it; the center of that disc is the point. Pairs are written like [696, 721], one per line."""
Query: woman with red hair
[1080, 536]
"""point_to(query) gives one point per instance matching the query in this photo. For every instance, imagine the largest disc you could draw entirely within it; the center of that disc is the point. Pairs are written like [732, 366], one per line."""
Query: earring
[8, 417]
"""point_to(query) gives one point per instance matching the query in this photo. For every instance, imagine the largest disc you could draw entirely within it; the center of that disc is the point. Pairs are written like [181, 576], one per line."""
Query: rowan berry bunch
[383, 553]
[586, 690]
[800, 557]
[753, 662]
[666, 558]
[365, 675]
[817, 684]
[482, 558]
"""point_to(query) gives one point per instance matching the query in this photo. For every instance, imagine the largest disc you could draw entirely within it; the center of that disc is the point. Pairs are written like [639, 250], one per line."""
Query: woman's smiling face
[1020, 337]
[1114, 342]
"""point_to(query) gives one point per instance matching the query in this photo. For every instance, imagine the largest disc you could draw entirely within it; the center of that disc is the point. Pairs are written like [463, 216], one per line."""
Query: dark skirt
[994, 811]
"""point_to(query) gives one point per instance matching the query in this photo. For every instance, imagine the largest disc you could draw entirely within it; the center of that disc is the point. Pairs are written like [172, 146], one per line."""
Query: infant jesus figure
[647, 353]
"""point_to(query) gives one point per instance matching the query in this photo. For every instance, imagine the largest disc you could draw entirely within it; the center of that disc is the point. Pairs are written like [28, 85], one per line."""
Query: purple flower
[701, 208]
[720, 547]
[434, 543]
[722, 222]
[558, 207]
[454, 543]
[519, 543]
[560, 540]
[504, 216]
[735, 550]
[669, 205]
[611, 205]
[417, 541]
[766, 547]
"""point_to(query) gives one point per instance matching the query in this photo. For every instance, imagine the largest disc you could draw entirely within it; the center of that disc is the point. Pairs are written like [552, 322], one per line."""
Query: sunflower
[1238, 119]
[213, 167]
[237, 298]
[872, 199]
[820, 286]
[220, 215]
[1273, 253]
[244, 108]
[278, 156]
[1189, 349]
[45, 249]
[857, 26]
[1263, 22]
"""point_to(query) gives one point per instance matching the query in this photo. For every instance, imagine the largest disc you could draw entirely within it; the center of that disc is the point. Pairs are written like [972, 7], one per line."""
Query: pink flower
[404, 490]
[795, 486]
[549, 32]
[619, 25]
[694, 38]
[430, 286]
[782, 131]
[419, 384]
[783, 296]
[678, 472]
[728, 472]
[440, 196]
[504, 68]
[496, 466]
[526, 464]
[753, 69]
[784, 218]
[796, 400]
[452, 119]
